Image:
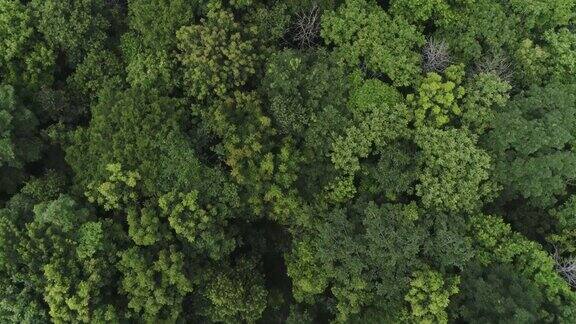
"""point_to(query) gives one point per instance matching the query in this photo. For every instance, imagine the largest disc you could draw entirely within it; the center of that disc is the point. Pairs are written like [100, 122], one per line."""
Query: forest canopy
[298, 161]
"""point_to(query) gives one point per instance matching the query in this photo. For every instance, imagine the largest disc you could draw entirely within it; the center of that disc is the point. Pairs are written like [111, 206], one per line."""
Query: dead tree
[566, 267]
[496, 64]
[306, 28]
[435, 55]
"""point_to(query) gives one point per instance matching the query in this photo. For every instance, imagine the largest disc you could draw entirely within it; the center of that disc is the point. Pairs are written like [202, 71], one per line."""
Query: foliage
[486, 95]
[69, 254]
[358, 267]
[237, 295]
[99, 70]
[157, 21]
[564, 236]
[217, 55]
[299, 87]
[366, 35]
[455, 174]
[552, 61]
[75, 27]
[531, 144]
[154, 283]
[299, 161]
[19, 141]
[436, 101]
[429, 296]
[497, 294]
[120, 132]
[496, 243]
[26, 60]
[474, 28]
[420, 10]
[150, 46]
[203, 228]
[380, 117]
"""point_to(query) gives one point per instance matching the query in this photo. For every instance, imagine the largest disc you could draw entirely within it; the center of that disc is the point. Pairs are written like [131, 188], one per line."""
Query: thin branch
[498, 65]
[435, 55]
[306, 29]
[566, 267]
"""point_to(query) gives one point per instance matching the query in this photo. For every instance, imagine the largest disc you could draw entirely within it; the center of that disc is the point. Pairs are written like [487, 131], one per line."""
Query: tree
[236, 294]
[65, 255]
[74, 27]
[362, 267]
[365, 35]
[530, 145]
[393, 175]
[158, 21]
[19, 141]
[564, 236]
[120, 132]
[149, 68]
[155, 283]
[205, 229]
[482, 27]
[380, 118]
[497, 294]
[419, 11]
[307, 27]
[486, 94]
[436, 102]
[429, 296]
[552, 61]
[454, 173]
[299, 161]
[451, 100]
[143, 181]
[101, 69]
[495, 243]
[435, 56]
[150, 46]
[26, 60]
[299, 86]
[20, 277]
[79, 286]
[218, 55]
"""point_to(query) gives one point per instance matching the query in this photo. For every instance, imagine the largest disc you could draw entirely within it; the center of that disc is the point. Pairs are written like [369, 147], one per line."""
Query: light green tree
[365, 35]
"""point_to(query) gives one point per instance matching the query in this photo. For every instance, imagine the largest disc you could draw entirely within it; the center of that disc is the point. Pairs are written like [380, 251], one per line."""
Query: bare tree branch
[306, 29]
[435, 55]
[498, 65]
[566, 267]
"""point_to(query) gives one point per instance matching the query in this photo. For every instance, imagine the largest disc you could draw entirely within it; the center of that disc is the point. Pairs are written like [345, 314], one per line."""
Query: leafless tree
[435, 55]
[497, 64]
[306, 29]
[566, 267]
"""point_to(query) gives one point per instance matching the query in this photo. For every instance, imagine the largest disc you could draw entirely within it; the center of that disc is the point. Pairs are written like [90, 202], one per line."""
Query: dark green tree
[26, 60]
[531, 145]
[19, 140]
[61, 258]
